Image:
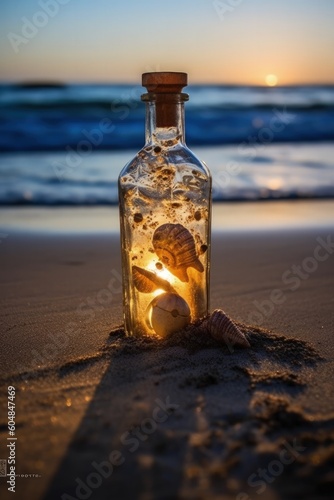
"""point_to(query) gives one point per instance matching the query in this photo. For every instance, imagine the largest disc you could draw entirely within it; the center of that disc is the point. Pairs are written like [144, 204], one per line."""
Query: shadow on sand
[184, 419]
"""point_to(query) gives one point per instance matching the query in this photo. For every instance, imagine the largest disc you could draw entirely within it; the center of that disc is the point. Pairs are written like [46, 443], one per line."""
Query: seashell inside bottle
[165, 219]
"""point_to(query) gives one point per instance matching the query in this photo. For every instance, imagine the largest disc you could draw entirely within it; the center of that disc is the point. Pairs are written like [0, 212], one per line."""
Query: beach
[108, 110]
[99, 415]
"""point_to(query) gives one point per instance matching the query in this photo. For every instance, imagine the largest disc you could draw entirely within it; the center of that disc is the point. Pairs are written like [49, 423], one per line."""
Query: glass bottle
[165, 219]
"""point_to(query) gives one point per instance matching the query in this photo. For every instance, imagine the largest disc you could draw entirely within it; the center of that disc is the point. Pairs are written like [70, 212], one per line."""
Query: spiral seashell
[175, 247]
[147, 282]
[222, 328]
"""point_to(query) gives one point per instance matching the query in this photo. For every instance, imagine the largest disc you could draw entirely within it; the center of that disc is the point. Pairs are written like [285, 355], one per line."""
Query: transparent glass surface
[165, 215]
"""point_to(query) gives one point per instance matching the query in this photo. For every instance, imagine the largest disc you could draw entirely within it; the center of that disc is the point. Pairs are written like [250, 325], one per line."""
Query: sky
[218, 41]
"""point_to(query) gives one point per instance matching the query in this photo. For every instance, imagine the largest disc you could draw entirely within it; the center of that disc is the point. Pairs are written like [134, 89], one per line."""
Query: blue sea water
[65, 144]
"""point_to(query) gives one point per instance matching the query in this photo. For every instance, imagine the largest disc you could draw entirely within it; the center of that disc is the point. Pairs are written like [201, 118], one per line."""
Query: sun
[271, 80]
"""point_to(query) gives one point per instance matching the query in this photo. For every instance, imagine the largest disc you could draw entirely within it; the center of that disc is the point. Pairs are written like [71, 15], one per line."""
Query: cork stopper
[166, 88]
[165, 82]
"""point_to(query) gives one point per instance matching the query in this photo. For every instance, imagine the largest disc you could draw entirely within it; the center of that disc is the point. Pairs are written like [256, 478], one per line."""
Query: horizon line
[52, 82]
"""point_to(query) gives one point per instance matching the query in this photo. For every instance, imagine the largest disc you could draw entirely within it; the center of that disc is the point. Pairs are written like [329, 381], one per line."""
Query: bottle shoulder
[156, 157]
[193, 159]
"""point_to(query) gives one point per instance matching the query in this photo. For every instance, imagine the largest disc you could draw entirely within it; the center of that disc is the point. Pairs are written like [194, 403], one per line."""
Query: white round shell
[169, 313]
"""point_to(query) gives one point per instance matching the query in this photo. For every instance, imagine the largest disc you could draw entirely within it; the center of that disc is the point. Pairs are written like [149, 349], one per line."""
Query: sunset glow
[105, 41]
[271, 80]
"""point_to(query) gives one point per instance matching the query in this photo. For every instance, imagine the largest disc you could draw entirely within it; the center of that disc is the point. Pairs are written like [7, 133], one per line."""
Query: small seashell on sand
[175, 247]
[147, 282]
[222, 328]
[168, 313]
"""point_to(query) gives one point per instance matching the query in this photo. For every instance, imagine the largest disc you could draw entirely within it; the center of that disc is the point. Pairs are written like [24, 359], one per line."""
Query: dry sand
[182, 418]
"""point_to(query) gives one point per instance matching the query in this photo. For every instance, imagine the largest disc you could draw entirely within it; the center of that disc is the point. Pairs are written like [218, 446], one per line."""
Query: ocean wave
[276, 171]
[54, 117]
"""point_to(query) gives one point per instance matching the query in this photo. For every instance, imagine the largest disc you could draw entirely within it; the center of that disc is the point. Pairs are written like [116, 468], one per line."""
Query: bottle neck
[164, 118]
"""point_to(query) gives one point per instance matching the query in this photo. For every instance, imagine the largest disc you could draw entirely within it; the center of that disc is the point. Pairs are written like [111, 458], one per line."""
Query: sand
[100, 415]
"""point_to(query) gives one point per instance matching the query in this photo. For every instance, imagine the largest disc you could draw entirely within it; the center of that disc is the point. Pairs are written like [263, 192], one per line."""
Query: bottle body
[165, 218]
